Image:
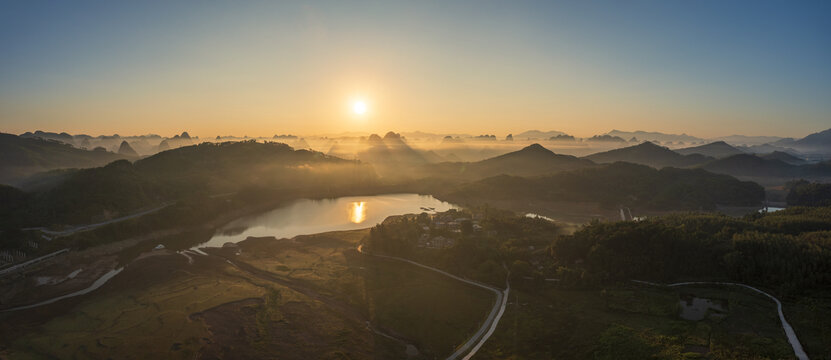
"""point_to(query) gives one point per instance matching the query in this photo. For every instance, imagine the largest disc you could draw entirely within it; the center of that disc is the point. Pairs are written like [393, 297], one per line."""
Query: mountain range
[650, 154]
[533, 160]
[26, 156]
[121, 187]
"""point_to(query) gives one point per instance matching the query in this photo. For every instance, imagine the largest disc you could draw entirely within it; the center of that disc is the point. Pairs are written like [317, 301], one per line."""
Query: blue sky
[706, 68]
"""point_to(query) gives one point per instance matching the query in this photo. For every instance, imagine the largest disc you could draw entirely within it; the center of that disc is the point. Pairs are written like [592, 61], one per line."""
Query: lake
[305, 216]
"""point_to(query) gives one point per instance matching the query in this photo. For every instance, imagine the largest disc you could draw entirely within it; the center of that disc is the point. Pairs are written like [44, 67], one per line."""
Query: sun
[359, 107]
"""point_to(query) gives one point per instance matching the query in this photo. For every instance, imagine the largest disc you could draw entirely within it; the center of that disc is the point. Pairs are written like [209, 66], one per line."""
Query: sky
[705, 68]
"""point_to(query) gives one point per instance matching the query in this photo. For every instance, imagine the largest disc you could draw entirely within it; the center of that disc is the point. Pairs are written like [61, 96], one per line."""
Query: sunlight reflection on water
[357, 212]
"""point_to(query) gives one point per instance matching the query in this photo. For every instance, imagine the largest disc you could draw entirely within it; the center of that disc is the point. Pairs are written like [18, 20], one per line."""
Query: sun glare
[359, 107]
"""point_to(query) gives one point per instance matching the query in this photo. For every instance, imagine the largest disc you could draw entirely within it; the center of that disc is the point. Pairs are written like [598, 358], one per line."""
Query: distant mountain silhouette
[338, 150]
[779, 165]
[532, 160]
[654, 136]
[536, 134]
[820, 140]
[301, 144]
[391, 156]
[164, 146]
[748, 140]
[126, 149]
[718, 149]
[752, 165]
[23, 157]
[400, 150]
[649, 154]
[816, 143]
[564, 138]
[766, 149]
[784, 157]
[62, 137]
[178, 141]
[606, 138]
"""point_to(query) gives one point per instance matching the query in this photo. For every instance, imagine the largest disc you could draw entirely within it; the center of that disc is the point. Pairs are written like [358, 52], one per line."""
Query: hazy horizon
[499, 136]
[703, 68]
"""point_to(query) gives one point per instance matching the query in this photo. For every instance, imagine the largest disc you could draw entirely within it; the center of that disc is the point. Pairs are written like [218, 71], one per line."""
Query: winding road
[798, 351]
[472, 345]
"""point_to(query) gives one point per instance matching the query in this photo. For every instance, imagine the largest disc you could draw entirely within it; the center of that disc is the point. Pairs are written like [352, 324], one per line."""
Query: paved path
[77, 229]
[789, 332]
[24, 264]
[95, 285]
[488, 327]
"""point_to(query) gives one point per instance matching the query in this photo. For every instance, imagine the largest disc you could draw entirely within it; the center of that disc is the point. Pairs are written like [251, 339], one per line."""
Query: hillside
[192, 171]
[804, 193]
[532, 160]
[819, 142]
[752, 165]
[718, 149]
[618, 184]
[25, 156]
[649, 154]
[784, 157]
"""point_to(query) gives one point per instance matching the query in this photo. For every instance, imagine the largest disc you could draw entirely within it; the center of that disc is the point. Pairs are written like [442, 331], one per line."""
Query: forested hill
[788, 251]
[618, 184]
[23, 157]
[200, 170]
[752, 165]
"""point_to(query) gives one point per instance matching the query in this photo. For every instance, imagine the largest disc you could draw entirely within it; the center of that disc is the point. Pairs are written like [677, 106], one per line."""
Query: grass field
[142, 313]
[312, 297]
[570, 324]
[307, 298]
[429, 310]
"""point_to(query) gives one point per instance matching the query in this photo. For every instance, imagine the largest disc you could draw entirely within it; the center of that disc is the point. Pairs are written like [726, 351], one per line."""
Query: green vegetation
[619, 184]
[631, 322]
[23, 157]
[804, 193]
[592, 307]
[311, 298]
[788, 251]
[766, 167]
[478, 241]
[202, 170]
[144, 313]
[435, 311]
[429, 310]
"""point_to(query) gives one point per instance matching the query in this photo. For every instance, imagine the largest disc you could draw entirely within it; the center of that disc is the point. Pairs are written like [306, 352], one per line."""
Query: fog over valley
[415, 180]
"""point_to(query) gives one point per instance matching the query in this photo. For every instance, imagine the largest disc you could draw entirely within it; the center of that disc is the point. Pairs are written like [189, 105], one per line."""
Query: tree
[466, 227]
